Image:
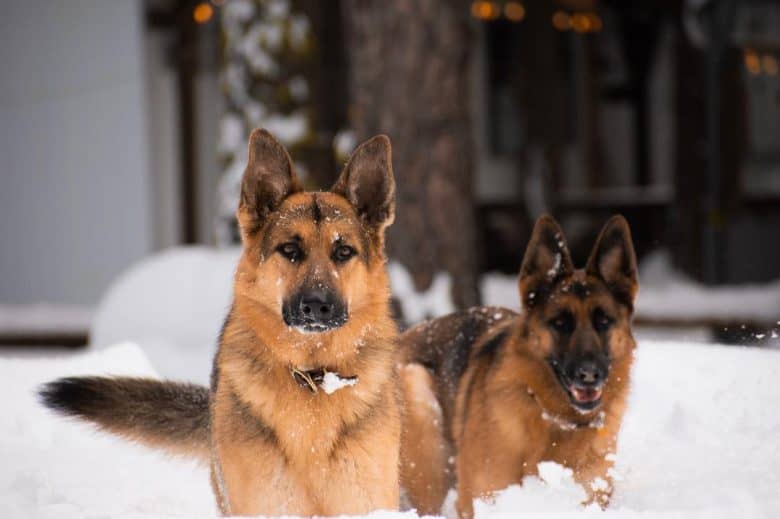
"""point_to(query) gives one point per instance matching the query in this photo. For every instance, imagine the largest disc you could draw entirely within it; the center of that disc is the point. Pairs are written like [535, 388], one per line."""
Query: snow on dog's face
[312, 260]
[580, 319]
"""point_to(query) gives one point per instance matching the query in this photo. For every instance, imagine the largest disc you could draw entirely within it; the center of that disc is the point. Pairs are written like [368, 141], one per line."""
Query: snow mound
[418, 306]
[55, 467]
[700, 440]
[662, 284]
[553, 492]
[500, 290]
[173, 304]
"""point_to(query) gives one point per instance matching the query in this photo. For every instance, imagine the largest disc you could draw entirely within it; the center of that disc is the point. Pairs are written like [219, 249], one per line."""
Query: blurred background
[123, 127]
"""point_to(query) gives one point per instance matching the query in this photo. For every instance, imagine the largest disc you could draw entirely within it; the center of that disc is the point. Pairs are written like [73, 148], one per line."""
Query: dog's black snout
[318, 306]
[315, 310]
[588, 373]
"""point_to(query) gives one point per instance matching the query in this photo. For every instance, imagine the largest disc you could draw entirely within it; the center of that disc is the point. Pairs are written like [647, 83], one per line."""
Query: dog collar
[597, 422]
[318, 378]
[567, 425]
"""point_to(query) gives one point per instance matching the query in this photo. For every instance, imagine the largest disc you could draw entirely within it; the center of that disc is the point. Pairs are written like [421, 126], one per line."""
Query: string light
[595, 22]
[752, 63]
[483, 10]
[202, 13]
[579, 22]
[769, 64]
[514, 11]
[561, 21]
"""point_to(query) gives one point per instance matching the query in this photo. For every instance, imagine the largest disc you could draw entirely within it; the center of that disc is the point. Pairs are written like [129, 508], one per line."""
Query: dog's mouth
[582, 398]
[585, 398]
[307, 328]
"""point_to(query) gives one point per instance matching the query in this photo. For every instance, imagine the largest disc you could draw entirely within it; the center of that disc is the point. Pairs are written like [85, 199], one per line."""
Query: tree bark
[409, 78]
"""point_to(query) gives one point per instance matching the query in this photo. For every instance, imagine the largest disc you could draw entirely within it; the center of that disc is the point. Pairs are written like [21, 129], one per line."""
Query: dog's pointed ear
[546, 259]
[268, 179]
[367, 182]
[614, 261]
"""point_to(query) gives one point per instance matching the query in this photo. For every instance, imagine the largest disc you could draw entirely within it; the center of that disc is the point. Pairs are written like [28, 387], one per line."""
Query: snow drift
[173, 303]
[700, 439]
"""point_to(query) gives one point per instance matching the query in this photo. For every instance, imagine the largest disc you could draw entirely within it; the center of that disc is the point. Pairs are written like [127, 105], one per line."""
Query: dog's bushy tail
[167, 415]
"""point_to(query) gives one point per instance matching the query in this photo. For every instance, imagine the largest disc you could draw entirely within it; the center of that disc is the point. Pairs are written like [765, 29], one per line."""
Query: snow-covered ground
[59, 468]
[667, 293]
[701, 439]
[173, 304]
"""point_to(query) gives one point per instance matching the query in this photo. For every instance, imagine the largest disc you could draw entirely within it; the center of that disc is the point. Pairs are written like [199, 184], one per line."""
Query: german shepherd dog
[501, 392]
[303, 414]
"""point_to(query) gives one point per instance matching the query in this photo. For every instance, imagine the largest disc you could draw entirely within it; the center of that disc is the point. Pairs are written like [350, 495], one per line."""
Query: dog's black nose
[588, 373]
[315, 310]
[318, 306]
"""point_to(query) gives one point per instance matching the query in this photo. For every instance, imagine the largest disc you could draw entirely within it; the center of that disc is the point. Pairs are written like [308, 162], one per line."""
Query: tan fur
[501, 434]
[426, 484]
[332, 453]
[507, 410]
[278, 448]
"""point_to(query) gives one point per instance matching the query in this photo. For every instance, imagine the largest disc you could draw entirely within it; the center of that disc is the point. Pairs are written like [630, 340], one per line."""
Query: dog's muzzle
[314, 311]
[583, 380]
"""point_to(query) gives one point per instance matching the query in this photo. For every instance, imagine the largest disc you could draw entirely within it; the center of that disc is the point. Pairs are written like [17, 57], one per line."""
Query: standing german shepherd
[302, 416]
[502, 392]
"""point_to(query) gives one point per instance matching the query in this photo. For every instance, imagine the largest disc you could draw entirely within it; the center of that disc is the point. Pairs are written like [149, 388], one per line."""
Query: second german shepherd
[502, 392]
[302, 417]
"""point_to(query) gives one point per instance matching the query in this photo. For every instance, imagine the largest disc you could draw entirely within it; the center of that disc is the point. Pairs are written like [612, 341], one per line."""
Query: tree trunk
[409, 78]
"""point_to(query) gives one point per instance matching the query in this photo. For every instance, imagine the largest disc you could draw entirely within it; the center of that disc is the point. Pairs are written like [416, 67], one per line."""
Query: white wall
[209, 109]
[162, 112]
[75, 195]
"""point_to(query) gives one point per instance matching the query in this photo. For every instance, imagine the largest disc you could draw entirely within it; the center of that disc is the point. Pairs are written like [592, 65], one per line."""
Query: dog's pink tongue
[586, 394]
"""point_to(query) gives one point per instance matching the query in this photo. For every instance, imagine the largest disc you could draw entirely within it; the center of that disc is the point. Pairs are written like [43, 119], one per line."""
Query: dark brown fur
[172, 415]
[487, 376]
[275, 447]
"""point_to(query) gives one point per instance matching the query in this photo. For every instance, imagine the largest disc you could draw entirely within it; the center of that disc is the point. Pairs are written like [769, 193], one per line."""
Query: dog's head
[312, 261]
[580, 319]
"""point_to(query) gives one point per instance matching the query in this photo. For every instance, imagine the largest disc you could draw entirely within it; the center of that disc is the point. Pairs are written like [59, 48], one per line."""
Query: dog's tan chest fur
[501, 443]
[310, 453]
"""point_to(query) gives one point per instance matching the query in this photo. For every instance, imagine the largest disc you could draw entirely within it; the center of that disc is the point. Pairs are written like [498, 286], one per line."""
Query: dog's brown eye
[343, 253]
[601, 321]
[563, 323]
[290, 250]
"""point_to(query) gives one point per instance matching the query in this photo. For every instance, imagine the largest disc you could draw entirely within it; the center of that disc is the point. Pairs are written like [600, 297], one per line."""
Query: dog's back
[444, 346]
